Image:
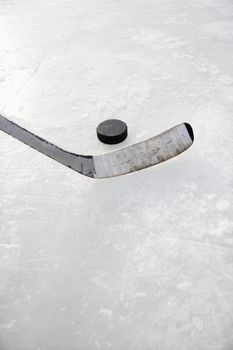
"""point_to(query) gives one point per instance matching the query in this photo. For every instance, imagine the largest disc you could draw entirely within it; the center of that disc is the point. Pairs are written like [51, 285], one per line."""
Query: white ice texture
[140, 262]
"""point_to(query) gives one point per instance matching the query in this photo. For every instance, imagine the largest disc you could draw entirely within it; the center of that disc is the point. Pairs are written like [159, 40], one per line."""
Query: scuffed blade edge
[144, 154]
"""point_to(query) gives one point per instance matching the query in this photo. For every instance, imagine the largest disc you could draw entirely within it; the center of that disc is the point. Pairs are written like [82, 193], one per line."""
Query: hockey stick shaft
[81, 164]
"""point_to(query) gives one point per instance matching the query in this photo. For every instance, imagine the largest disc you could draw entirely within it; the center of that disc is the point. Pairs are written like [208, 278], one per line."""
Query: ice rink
[142, 261]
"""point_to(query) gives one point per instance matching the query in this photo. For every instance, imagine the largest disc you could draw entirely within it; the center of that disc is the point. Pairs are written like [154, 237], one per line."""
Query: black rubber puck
[112, 131]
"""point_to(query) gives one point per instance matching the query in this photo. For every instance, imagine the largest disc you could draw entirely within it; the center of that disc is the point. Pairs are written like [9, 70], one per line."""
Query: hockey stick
[123, 161]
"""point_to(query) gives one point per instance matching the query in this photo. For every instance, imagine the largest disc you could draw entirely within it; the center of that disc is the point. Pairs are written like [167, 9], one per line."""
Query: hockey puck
[112, 131]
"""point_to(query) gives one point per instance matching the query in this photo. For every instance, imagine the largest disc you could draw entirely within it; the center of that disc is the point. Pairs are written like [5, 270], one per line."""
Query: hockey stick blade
[123, 161]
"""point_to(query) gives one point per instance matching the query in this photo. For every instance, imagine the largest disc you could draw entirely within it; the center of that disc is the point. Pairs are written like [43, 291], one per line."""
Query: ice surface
[144, 261]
